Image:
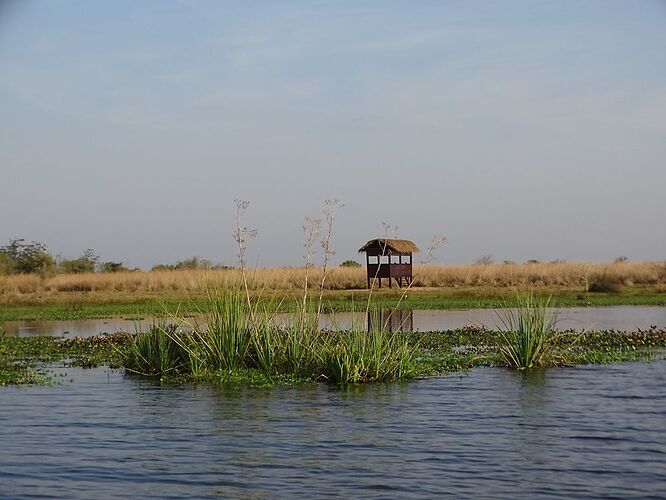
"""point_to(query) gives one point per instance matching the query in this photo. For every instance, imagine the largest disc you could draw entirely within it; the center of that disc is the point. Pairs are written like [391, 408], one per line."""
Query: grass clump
[236, 337]
[376, 356]
[224, 343]
[157, 352]
[528, 333]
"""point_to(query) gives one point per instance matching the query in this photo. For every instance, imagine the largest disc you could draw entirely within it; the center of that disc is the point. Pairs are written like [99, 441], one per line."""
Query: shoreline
[99, 306]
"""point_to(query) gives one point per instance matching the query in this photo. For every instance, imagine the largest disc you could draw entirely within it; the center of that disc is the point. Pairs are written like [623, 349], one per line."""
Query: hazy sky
[522, 129]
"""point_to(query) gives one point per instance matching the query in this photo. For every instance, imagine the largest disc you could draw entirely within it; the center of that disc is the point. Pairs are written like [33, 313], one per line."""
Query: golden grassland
[35, 289]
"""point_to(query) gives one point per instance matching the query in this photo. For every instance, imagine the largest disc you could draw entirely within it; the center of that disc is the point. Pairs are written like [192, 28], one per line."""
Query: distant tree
[113, 267]
[192, 263]
[508, 262]
[485, 260]
[22, 257]
[87, 263]
[162, 267]
[621, 258]
[533, 261]
[350, 263]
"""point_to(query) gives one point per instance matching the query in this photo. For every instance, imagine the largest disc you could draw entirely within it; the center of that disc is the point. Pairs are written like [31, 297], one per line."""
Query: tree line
[22, 257]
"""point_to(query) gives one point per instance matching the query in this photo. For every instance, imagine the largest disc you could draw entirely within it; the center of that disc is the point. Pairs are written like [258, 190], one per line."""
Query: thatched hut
[389, 258]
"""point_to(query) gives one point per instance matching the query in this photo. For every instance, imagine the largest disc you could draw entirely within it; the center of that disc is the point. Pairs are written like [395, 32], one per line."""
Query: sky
[521, 129]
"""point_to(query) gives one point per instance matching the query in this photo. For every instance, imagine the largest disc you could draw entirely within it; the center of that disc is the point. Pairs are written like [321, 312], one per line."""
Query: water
[578, 318]
[594, 431]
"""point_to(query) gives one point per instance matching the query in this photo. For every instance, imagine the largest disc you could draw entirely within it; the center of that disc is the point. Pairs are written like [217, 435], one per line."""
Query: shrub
[350, 263]
[113, 267]
[485, 260]
[84, 264]
[162, 267]
[191, 264]
[605, 285]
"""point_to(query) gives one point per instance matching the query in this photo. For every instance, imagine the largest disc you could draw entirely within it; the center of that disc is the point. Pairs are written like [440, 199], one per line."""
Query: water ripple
[594, 431]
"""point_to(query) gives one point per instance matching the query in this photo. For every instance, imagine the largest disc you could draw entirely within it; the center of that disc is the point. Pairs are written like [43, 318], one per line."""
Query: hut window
[384, 259]
[372, 259]
[406, 259]
[395, 259]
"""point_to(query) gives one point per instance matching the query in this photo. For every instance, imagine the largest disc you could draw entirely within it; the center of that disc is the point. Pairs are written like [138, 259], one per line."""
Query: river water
[593, 432]
[578, 318]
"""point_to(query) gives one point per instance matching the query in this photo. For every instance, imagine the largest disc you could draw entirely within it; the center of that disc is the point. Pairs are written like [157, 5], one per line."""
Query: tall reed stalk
[331, 207]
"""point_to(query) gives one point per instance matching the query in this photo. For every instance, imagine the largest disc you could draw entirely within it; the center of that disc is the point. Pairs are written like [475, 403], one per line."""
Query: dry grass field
[16, 289]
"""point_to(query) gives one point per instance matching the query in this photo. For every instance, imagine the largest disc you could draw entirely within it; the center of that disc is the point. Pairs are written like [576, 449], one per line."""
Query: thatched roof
[397, 246]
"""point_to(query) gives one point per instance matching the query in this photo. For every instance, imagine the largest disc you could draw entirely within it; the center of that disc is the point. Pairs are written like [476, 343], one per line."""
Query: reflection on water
[577, 432]
[401, 320]
[578, 318]
[72, 328]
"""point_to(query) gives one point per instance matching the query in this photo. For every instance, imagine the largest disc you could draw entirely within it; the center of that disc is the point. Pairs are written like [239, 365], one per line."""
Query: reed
[226, 339]
[301, 343]
[159, 352]
[236, 335]
[360, 356]
[527, 332]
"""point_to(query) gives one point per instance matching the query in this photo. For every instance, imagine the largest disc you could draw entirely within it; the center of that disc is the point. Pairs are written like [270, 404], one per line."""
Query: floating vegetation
[25, 360]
